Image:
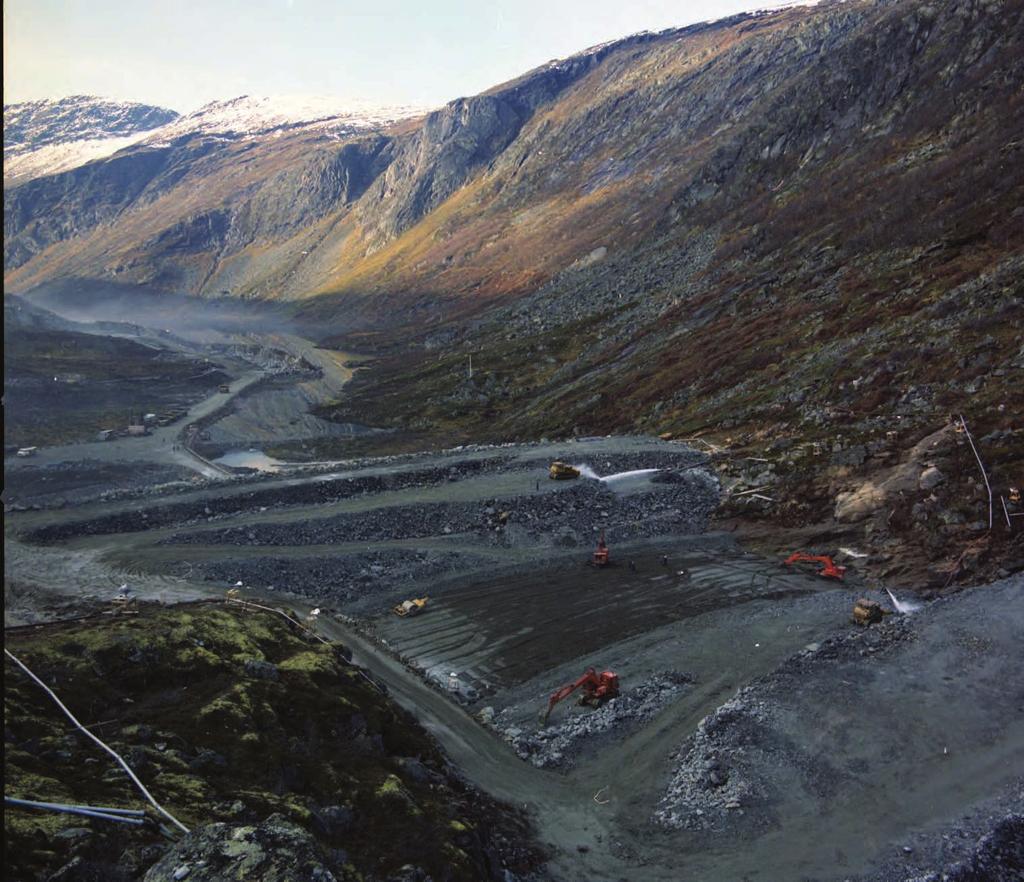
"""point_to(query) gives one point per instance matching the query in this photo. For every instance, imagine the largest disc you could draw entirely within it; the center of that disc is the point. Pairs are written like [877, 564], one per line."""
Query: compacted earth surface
[758, 734]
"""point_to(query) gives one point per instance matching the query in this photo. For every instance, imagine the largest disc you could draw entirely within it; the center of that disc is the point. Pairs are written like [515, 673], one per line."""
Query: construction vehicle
[410, 607]
[868, 612]
[124, 601]
[597, 689]
[561, 471]
[602, 554]
[827, 570]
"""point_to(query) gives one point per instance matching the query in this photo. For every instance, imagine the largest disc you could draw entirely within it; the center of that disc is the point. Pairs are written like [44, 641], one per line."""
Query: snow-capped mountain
[46, 137]
[256, 115]
[34, 124]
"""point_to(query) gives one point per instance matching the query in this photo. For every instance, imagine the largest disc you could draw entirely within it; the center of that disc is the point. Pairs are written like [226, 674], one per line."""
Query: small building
[104, 434]
[136, 429]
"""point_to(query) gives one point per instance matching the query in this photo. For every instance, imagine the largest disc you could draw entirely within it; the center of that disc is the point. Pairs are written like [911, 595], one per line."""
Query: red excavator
[828, 569]
[597, 689]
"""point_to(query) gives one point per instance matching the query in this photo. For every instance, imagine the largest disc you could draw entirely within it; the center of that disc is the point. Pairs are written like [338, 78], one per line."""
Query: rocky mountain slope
[711, 129]
[799, 233]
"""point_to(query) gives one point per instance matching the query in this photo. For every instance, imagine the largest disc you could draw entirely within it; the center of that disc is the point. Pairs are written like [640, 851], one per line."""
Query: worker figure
[664, 560]
[632, 567]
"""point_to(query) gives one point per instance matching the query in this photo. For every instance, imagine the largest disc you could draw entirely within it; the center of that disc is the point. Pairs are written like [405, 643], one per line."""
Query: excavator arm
[829, 569]
[589, 677]
[597, 688]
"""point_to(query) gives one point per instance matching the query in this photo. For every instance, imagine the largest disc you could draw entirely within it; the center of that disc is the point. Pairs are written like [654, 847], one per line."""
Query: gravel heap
[318, 492]
[558, 746]
[74, 483]
[712, 777]
[987, 844]
[569, 517]
[738, 757]
[343, 577]
[685, 468]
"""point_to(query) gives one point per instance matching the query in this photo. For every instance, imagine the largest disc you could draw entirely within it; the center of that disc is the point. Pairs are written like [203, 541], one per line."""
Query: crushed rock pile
[323, 491]
[736, 756]
[712, 776]
[557, 746]
[569, 517]
[344, 577]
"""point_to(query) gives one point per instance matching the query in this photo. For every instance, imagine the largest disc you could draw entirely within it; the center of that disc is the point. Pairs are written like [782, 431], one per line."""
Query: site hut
[104, 434]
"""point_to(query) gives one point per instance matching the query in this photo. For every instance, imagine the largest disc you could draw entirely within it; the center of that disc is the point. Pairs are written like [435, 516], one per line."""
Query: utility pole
[471, 365]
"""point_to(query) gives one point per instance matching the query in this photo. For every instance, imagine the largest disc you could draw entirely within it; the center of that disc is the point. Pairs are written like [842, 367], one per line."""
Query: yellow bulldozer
[868, 612]
[410, 607]
[561, 471]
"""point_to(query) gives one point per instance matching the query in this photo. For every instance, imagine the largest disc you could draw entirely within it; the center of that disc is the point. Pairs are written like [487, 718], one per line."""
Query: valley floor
[759, 735]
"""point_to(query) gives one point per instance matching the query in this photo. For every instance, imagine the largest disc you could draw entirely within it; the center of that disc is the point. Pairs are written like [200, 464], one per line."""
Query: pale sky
[186, 53]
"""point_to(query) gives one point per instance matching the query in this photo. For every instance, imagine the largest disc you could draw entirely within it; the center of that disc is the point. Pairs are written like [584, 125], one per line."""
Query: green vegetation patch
[228, 715]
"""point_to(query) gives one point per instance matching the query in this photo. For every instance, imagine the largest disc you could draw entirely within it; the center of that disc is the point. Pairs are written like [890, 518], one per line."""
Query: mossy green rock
[273, 851]
[313, 758]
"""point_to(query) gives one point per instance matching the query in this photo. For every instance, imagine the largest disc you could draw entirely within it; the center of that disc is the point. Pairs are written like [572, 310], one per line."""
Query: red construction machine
[602, 554]
[597, 689]
[828, 569]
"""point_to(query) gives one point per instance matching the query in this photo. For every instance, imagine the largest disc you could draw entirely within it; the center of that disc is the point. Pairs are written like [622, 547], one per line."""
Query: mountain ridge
[29, 125]
[802, 228]
[54, 136]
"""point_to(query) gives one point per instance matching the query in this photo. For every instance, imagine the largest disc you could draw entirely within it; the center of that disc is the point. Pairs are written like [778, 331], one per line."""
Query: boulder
[930, 478]
[859, 503]
[260, 669]
[274, 851]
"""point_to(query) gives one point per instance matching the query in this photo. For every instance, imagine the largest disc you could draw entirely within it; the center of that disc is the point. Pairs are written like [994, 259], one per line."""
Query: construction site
[585, 646]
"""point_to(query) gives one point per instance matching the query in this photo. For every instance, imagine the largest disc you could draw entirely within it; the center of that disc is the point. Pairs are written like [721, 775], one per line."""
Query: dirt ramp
[870, 734]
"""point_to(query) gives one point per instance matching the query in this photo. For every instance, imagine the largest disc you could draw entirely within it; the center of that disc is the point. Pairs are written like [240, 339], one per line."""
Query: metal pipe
[106, 747]
[138, 813]
[75, 810]
[981, 466]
